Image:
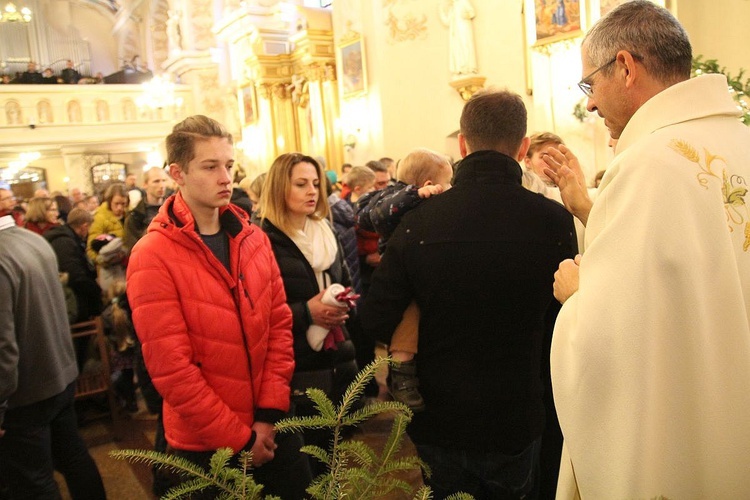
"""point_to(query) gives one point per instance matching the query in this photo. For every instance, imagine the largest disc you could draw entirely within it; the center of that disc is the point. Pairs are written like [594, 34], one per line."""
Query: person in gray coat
[38, 425]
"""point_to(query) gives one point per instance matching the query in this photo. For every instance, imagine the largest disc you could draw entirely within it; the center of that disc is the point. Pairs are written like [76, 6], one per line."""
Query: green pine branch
[354, 469]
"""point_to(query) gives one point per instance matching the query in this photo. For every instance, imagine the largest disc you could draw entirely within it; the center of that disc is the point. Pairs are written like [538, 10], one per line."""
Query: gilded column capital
[264, 90]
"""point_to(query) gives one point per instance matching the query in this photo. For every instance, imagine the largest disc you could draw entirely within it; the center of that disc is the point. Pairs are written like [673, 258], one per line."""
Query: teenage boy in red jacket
[210, 310]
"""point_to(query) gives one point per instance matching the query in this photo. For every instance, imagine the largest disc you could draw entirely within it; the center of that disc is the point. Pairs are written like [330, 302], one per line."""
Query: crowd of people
[68, 75]
[496, 282]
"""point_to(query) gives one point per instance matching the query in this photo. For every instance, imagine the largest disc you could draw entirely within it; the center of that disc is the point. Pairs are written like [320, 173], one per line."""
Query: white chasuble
[651, 356]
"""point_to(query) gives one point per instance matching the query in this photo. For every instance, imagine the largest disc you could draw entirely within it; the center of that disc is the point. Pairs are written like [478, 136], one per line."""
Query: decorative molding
[403, 25]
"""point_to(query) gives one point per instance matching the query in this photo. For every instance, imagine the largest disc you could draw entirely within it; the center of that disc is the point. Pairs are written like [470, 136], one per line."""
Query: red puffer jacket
[217, 345]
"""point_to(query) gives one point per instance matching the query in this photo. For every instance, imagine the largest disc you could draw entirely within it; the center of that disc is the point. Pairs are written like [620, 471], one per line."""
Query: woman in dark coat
[294, 213]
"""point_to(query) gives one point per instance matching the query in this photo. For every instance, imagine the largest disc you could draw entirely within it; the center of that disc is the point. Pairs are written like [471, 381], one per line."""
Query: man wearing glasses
[651, 350]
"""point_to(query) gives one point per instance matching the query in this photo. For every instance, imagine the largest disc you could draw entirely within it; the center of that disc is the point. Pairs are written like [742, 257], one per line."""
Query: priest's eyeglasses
[585, 85]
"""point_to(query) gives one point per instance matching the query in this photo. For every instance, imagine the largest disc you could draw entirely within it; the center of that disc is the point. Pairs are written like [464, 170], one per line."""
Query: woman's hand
[325, 315]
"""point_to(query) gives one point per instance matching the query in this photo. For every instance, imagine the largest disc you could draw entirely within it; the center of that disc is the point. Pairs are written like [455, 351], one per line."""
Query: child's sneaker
[403, 384]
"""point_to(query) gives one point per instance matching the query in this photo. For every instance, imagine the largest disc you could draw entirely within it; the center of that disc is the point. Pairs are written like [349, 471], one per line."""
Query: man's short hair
[376, 166]
[147, 173]
[494, 120]
[181, 142]
[78, 217]
[360, 177]
[645, 30]
[540, 139]
[421, 165]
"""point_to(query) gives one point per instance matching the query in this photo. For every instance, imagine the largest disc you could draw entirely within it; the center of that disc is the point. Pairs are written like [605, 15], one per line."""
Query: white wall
[718, 30]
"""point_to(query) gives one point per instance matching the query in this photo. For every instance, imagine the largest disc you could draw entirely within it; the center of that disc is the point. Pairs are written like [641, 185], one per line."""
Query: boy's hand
[429, 190]
[264, 446]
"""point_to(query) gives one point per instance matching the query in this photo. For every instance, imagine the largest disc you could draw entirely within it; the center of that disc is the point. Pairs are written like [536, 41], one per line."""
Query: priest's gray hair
[650, 33]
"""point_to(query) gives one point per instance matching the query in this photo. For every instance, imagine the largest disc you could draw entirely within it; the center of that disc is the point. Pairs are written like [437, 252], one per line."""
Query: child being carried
[421, 174]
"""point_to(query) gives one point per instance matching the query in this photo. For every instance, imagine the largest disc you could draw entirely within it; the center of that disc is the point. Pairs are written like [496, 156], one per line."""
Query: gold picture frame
[353, 65]
[249, 104]
[549, 21]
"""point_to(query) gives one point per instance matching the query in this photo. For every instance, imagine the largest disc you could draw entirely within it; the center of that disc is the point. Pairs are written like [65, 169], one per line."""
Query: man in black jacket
[154, 187]
[69, 244]
[31, 75]
[479, 260]
[70, 74]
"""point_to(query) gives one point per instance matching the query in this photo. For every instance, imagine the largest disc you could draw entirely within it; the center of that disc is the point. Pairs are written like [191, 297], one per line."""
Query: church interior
[347, 81]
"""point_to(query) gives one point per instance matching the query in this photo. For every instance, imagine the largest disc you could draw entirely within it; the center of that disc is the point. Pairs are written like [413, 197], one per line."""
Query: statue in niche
[174, 31]
[128, 110]
[74, 112]
[13, 115]
[457, 15]
[44, 112]
[102, 111]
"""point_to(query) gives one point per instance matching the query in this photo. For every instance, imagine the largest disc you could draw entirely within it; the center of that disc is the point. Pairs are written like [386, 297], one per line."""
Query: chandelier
[159, 93]
[11, 14]
[16, 170]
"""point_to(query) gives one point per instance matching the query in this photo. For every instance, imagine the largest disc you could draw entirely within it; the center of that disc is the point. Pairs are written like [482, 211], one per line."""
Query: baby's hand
[430, 190]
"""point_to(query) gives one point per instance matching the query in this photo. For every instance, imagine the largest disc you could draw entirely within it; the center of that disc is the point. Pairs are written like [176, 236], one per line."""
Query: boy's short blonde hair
[421, 165]
[360, 177]
[538, 140]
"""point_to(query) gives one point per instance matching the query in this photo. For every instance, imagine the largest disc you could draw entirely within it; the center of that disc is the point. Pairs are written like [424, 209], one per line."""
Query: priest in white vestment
[651, 350]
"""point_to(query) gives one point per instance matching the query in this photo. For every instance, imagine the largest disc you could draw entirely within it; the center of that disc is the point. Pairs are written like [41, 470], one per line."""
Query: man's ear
[630, 68]
[462, 145]
[175, 171]
[525, 143]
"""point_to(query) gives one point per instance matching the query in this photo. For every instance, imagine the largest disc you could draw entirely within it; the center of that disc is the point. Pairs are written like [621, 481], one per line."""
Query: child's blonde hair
[421, 165]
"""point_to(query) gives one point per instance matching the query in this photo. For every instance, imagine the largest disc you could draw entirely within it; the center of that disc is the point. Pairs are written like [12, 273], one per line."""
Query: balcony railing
[67, 106]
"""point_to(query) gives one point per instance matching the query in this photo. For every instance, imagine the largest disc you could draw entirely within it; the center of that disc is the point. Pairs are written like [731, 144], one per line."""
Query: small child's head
[539, 144]
[360, 180]
[423, 166]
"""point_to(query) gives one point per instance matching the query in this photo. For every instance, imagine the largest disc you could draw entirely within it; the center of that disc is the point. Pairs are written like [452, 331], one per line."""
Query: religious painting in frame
[549, 21]
[353, 68]
[249, 104]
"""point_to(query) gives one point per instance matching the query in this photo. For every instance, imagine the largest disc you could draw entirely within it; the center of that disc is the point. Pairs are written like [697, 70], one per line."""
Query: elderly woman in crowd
[42, 215]
[294, 213]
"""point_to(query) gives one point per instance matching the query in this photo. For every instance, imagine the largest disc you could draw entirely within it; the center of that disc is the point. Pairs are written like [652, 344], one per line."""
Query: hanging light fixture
[11, 14]
[159, 93]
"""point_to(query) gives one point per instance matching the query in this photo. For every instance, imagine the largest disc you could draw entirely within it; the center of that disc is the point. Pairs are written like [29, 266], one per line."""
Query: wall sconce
[350, 142]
